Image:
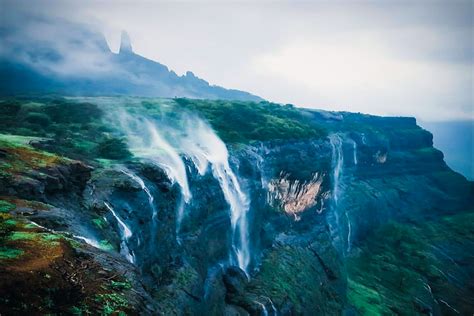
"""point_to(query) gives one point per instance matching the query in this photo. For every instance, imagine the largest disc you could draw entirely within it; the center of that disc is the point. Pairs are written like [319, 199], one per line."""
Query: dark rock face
[42, 184]
[235, 280]
[311, 228]
[125, 44]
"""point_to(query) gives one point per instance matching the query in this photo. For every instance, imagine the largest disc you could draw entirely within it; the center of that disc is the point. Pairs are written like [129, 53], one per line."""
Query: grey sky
[386, 57]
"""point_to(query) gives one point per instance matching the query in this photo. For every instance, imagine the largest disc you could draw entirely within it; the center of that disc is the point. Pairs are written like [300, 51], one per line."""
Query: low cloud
[390, 58]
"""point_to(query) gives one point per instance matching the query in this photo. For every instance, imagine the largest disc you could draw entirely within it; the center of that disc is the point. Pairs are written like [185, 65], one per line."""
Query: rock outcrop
[366, 219]
[125, 44]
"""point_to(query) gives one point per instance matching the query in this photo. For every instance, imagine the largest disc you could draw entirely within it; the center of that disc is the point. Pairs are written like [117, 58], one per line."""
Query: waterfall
[125, 234]
[349, 232]
[167, 143]
[202, 144]
[141, 183]
[264, 309]
[91, 242]
[450, 307]
[146, 141]
[172, 162]
[337, 163]
[354, 152]
[88, 241]
[262, 306]
[337, 167]
[274, 310]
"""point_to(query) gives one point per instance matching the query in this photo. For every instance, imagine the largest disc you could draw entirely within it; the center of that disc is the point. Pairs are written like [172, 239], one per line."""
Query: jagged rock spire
[125, 44]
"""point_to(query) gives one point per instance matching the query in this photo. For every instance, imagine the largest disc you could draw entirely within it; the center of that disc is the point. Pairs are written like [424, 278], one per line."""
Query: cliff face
[366, 218]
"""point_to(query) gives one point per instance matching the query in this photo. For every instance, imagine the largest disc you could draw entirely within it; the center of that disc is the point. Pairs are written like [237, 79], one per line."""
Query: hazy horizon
[406, 59]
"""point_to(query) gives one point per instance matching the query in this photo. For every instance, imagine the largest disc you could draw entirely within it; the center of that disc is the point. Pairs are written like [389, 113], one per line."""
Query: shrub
[9, 107]
[38, 118]
[240, 122]
[113, 148]
[63, 111]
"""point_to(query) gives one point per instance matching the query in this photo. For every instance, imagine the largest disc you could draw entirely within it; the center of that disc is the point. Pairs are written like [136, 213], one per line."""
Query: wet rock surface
[389, 232]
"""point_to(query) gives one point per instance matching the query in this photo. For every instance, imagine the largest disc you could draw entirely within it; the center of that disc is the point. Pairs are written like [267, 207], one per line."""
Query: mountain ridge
[81, 63]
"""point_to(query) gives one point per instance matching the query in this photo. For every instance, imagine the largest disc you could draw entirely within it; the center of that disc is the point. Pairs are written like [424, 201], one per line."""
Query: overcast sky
[382, 57]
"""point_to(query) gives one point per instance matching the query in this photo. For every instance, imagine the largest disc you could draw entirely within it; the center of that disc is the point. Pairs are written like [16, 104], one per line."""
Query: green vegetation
[106, 245]
[80, 310]
[27, 254]
[77, 128]
[402, 267]
[68, 128]
[99, 222]
[46, 238]
[241, 122]
[10, 253]
[113, 148]
[18, 235]
[6, 207]
[289, 274]
[112, 303]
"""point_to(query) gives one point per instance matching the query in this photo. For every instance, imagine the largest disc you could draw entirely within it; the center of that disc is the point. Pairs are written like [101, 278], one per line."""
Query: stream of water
[337, 168]
[167, 145]
[125, 234]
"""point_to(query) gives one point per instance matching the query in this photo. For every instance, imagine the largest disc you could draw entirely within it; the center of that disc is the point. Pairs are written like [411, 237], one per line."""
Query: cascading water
[146, 141]
[337, 163]
[337, 167]
[262, 306]
[202, 144]
[143, 186]
[354, 152]
[89, 241]
[349, 233]
[198, 141]
[274, 310]
[264, 311]
[125, 234]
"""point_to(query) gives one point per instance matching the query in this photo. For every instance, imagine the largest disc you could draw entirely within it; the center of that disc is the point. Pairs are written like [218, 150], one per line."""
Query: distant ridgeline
[165, 206]
[81, 63]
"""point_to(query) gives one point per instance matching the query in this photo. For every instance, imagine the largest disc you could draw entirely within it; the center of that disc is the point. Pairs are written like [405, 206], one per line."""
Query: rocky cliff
[181, 209]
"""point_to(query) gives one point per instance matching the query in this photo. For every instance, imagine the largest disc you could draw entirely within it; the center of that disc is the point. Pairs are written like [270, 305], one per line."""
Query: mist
[385, 58]
[168, 141]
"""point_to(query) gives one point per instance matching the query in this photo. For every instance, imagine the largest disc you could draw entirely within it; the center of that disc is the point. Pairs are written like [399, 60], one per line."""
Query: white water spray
[172, 162]
[336, 168]
[354, 152]
[88, 241]
[147, 141]
[264, 309]
[91, 242]
[143, 186]
[337, 165]
[273, 308]
[349, 232]
[166, 144]
[125, 234]
[204, 146]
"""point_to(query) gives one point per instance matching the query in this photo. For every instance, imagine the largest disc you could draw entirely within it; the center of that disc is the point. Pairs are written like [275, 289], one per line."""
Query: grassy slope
[42, 272]
[384, 277]
[76, 127]
[35, 259]
[403, 267]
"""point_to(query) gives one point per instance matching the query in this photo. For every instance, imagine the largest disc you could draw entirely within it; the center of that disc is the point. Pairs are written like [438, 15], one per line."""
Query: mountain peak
[125, 44]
